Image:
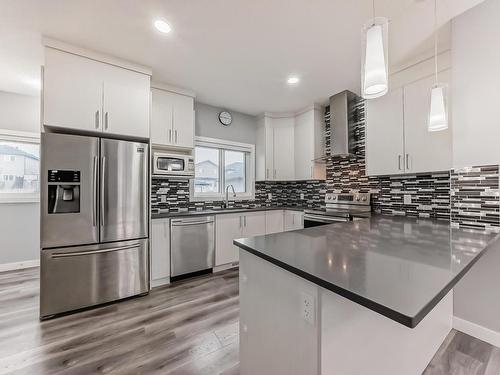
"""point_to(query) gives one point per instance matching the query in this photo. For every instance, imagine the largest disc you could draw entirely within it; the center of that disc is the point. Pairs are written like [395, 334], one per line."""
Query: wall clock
[225, 118]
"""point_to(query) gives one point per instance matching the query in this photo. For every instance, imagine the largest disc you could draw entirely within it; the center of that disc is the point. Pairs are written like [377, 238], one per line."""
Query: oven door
[170, 165]
[316, 220]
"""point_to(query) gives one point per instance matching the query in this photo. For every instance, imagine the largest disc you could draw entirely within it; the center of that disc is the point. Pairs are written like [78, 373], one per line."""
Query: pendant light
[438, 112]
[374, 57]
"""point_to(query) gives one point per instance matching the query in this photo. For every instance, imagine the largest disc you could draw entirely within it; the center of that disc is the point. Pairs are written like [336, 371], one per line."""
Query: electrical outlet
[163, 198]
[407, 199]
[269, 196]
[302, 196]
[308, 308]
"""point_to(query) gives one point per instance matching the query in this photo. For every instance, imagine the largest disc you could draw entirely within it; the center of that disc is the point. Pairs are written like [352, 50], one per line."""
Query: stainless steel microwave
[175, 165]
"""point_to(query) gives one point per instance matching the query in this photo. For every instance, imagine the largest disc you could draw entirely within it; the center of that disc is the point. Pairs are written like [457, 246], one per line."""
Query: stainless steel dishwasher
[192, 245]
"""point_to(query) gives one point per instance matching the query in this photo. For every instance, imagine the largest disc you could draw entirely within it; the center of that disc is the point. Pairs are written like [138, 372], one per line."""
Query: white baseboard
[225, 267]
[19, 265]
[160, 282]
[477, 331]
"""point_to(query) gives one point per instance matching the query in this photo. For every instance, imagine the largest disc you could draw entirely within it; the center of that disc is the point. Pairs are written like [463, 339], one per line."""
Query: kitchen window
[19, 167]
[220, 163]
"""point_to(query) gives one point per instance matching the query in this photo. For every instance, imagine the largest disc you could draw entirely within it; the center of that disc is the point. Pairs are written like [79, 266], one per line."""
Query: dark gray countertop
[221, 211]
[397, 266]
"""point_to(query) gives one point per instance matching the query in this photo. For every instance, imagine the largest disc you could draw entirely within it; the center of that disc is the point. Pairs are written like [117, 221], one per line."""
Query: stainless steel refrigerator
[94, 221]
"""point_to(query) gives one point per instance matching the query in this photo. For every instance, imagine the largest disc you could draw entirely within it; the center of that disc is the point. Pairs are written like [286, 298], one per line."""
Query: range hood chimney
[342, 140]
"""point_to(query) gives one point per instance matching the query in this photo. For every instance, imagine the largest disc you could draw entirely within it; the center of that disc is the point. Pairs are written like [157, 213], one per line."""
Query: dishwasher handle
[196, 221]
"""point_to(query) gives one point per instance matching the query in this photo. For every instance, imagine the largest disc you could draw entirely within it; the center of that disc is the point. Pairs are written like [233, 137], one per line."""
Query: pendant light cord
[435, 44]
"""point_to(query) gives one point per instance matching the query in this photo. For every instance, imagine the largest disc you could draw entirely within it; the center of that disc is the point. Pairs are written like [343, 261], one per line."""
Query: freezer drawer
[192, 245]
[77, 277]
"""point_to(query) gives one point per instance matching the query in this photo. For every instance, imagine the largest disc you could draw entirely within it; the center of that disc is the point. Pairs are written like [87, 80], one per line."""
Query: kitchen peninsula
[370, 296]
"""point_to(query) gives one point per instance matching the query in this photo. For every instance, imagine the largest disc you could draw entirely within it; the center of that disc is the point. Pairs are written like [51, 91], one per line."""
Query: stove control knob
[364, 199]
[357, 199]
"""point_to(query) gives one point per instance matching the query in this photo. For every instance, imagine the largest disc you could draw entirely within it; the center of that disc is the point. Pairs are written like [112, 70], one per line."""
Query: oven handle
[323, 219]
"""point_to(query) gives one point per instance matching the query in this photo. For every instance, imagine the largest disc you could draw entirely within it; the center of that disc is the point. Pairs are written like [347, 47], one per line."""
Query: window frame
[23, 137]
[221, 145]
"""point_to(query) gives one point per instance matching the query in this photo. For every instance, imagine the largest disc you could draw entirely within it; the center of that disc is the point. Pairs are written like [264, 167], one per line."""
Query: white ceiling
[233, 53]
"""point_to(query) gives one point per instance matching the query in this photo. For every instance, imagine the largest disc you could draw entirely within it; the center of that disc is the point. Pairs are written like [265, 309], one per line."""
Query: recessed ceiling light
[293, 80]
[162, 26]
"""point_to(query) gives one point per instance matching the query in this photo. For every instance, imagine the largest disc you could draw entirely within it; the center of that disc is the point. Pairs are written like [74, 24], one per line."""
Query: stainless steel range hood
[342, 140]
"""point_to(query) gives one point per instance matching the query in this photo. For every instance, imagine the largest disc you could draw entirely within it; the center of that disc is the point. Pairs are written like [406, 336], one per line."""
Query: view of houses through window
[19, 168]
[218, 166]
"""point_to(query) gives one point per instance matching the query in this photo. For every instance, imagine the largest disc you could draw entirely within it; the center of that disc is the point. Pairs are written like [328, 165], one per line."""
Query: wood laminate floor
[190, 327]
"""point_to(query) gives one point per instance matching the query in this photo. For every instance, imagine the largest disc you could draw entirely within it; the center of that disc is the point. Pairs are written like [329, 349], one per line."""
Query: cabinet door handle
[408, 161]
[245, 220]
[175, 136]
[399, 161]
[169, 135]
[106, 121]
[274, 173]
[293, 219]
[97, 115]
[267, 173]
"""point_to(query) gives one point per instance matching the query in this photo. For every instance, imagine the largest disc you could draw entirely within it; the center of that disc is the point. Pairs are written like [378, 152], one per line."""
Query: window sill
[17, 200]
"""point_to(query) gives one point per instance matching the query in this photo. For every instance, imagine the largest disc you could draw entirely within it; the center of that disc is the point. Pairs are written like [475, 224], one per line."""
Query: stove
[339, 208]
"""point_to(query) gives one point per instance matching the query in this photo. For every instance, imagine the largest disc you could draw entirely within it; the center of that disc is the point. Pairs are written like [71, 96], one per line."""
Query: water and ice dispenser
[63, 192]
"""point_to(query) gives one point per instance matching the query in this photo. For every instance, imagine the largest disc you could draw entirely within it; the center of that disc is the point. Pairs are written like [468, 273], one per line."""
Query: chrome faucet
[226, 203]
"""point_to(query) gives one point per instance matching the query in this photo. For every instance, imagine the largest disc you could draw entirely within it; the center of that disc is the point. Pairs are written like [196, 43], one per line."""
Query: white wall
[243, 128]
[476, 85]
[19, 222]
[476, 141]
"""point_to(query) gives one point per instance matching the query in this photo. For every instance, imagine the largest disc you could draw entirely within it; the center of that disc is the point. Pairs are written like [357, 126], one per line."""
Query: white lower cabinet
[160, 252]
[293, 220]
[274, 221]
[232, 226]
[227, 228]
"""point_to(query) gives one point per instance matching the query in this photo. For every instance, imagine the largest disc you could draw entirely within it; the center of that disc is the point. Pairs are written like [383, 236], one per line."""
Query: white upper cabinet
[126, 102]
[425, 151]
[275, 149]
[384, 134]
[397, 139]
[283, 150]
[309, 144]
[72, 91]
[172, 119]
[83, 94]
[287, 145]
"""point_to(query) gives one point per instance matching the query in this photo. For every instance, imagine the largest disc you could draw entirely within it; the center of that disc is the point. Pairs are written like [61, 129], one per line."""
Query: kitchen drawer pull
[92, 252]
[408, 161]
[399, 161]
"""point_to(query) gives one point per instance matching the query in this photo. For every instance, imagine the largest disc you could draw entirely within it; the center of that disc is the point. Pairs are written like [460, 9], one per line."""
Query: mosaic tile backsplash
[469, 197]
[475, 200]
[172, 195]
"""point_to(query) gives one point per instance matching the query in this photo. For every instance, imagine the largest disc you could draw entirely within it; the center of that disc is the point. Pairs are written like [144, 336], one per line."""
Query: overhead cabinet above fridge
[83, 94]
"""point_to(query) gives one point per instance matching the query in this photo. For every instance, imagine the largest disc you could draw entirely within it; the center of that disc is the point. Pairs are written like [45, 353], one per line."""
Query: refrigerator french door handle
[103, 170]
[94, 192]
[92, 252]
